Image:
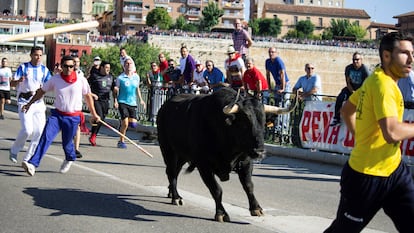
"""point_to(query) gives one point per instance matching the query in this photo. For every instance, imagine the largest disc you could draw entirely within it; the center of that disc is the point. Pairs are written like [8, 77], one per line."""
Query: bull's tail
[190, 168]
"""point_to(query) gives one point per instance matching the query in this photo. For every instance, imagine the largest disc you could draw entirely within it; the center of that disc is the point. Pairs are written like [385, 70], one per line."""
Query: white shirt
[68, 97]
[5, 77]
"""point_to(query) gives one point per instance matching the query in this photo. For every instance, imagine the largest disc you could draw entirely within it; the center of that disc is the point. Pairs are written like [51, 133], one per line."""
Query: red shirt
[252, 76]
[163, 66]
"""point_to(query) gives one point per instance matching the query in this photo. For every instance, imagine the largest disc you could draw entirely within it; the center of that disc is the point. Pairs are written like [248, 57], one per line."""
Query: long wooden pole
[123, 135]
[49, 31]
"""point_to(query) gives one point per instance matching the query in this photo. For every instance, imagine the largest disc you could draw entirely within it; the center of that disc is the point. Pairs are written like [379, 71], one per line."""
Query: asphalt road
[117, 190]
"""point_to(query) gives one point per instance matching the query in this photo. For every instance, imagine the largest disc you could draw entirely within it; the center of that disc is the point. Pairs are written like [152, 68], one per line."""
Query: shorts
[126, 110]
[4, 94]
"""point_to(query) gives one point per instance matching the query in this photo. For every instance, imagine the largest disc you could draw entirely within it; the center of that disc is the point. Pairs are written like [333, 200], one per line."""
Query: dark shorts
[4, 94]
[126, 110]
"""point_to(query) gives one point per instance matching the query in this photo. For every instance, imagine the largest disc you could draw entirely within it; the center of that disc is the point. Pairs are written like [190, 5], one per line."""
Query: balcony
[161, 1]
[194, 3]
[235, 15]
[193, 13]
[232, 5]
[134, 1]
[132, 9]
[132, 20]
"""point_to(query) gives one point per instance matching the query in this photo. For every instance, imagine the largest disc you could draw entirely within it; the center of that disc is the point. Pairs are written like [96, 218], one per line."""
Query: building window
[308, 18]
[62, 52]
[301, 1]
[320, 3]
[320, 22]
[295, 20]
[357, 22]
[311, 2]
[338, 4]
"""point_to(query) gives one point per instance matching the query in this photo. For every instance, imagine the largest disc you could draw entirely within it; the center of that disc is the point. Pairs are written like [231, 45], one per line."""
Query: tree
[356, 31]
[270, 27]
[180, 22]
[211, 14]
[254, 25]
[141, 53]
[338, 27]
[305, 28]
[159, 17]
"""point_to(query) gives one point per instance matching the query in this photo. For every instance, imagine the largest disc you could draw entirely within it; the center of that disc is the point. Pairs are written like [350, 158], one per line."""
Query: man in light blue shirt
[310, 83]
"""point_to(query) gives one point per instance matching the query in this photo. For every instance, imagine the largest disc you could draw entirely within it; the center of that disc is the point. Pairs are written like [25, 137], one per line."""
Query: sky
[382, 11]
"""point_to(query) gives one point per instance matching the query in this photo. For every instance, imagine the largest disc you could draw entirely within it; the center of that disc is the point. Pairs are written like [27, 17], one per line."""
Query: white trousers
[32, 123]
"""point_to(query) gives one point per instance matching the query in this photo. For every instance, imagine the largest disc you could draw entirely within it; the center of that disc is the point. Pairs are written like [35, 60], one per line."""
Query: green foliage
[343, 28]
[266, 27]
[254, 25]
[305, 28]
[189, 27]
[356, 31]
[211, 14]
[180, 22]
[270, 27]
[141, 53]
[327, 34]
[159, 17]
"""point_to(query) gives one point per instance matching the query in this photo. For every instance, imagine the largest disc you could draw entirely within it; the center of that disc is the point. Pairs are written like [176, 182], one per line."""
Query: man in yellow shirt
[375, 176]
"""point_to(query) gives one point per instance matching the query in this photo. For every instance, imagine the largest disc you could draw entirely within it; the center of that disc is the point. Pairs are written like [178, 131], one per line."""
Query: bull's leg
[172, 170]
[245, 176]
[216, 191]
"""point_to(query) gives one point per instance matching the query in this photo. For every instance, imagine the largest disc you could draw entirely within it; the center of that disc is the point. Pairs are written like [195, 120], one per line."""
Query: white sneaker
[29, 168]
[65, 166]
[12, 157]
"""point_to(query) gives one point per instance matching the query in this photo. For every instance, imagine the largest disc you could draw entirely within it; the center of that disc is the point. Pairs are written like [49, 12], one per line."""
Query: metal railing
[280, 129]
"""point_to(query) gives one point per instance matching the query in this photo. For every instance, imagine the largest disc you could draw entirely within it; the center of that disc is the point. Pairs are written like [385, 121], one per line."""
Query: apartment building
[130, 15]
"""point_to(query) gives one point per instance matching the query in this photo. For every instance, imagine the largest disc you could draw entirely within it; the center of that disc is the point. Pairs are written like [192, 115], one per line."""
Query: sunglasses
[356, 59]
[68, 66]
[310, 68]
[171, 64]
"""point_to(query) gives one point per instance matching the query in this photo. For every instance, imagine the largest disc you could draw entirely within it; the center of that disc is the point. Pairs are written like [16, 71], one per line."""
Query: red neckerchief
[71, 78]
[237, 56]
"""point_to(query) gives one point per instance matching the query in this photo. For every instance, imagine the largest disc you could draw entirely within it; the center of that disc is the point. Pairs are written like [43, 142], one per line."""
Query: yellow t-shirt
[378, 97]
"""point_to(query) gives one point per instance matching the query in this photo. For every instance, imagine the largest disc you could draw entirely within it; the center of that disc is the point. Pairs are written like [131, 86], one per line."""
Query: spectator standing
[199, 82]
[355, 75]
[234, 66]
[155, 82]
[95, 67]
[406, 86]
[123, 56]
[102, 84]
[274, 65]
[28, 78]
[5, 77]
[163, 65]
[68, 89]
[126, 90]
[241, 39]
[173, 74]
[310, 83]
[187, 65]
[375, 176]
[214, 76]
[255, 81]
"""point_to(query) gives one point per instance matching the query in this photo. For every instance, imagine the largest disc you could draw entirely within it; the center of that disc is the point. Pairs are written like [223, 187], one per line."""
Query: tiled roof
[405, 14]
[312, 10]
[382, 25]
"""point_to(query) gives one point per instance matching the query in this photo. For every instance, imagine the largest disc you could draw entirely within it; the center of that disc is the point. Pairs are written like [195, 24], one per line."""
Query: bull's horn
[277, 110]
[229, 109]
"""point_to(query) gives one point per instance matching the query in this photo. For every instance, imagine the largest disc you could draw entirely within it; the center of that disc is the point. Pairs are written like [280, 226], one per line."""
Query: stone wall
[329, 61]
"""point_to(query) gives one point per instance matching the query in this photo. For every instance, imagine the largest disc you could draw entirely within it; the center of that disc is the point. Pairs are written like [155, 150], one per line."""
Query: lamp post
[37, 19]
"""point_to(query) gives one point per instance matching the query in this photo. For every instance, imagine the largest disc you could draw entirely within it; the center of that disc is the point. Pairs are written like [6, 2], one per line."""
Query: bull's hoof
[222, 218]
[258, 212]
[178, 201]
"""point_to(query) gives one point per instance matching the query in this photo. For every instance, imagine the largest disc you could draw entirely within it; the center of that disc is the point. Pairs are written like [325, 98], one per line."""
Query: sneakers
[29, 168]
[65, 166]
[92, 139]
[1, 117]
[12, 157]
[78, 154]
[122, 145]
[335, 122]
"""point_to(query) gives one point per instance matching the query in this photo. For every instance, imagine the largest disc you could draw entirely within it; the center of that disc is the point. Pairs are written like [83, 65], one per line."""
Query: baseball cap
[97, 58]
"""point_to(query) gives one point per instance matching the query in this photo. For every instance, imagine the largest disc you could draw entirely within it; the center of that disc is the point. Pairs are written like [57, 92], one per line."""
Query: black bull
[216, 133]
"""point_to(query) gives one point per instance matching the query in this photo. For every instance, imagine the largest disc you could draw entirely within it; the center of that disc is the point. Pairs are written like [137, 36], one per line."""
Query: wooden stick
[120, 134]
[49, 31]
